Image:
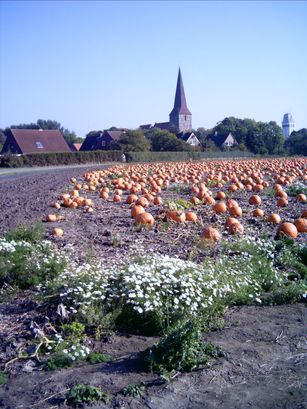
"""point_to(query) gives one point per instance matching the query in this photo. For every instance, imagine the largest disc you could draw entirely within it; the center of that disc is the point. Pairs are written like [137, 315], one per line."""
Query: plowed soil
[266, 348]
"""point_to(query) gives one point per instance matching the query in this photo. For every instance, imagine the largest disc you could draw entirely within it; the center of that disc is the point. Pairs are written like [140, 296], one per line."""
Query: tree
[296, 144]
[162, 140]
[131, 141]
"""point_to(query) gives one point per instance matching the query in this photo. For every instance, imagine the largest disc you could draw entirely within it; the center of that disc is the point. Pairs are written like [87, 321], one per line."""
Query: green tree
[162, 140]
[296, 144]
[131, 141]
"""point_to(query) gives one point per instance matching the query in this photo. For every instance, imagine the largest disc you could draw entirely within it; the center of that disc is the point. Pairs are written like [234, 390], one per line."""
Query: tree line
[257, 137]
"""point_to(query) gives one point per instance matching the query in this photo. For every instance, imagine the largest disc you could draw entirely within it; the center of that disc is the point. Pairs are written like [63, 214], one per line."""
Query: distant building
[190, 138]
[223, 141]
[26, 141]
[287, 125]
[180, 119]
[100, 140]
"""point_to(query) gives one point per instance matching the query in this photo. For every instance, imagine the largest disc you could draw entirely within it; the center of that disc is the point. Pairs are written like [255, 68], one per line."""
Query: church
[180, 118]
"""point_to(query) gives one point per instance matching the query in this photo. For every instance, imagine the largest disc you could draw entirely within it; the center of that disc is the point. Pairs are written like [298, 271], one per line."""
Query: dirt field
[265, 363]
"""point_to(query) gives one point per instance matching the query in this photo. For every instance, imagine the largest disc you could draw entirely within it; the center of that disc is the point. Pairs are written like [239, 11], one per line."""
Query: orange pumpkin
[236, 228]
[176, 216]
[131, 198]
[210, 233]
[136, 210]
[287, 229]
[219, 207]
[274, 218]
[254, 200]
[301, 225]
[57, 232]
[258, 213]
[191, 217]
[235, 211]
[145, 218]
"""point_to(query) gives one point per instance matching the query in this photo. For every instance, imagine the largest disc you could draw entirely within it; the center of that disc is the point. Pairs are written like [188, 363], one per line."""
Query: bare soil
[265, 363]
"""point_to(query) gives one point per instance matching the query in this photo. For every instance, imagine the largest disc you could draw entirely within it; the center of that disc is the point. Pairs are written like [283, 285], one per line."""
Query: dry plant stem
[44, 341]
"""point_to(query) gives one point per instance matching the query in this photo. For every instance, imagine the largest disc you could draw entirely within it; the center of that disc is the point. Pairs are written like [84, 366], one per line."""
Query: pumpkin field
[155, 285]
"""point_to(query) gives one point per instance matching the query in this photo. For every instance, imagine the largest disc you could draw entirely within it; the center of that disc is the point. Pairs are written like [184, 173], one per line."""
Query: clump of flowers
[24, 264]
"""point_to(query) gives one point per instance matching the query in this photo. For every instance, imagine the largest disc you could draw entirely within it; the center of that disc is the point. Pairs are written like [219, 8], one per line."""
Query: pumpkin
[258, 213]
[220, 195]
[219, 207]
[87, 202]
[274, 218]
[194, 200]
[230, 220]
[136, 210]
[145, 218]
[176, 216]
[191, 217]
[104, 195]
[254, 200]
[117, 198]
[131, 198]
[282, 202]
[287, 229]
[142, 201]
[236, 228]
[231, 202]
[56, 205]
[304, 213]
[57, 232]
[301, 225]
[51, 218]
[235, 211]
[210, 233]
[157, 200]
[301, 197]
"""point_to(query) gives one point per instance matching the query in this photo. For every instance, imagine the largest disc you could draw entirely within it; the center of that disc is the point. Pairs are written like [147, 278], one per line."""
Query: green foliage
[3, 378]
[57, 361]
[162, 140]
[29, 234]
[134, 390]
[177, 204]
[24, 264]
[296, 188]
[81, 393]
[296, 144]
[181, 349]
[62, 158]
[74, 331]
[132, 141]
[287, 294]
[258, 137]
[98, 357]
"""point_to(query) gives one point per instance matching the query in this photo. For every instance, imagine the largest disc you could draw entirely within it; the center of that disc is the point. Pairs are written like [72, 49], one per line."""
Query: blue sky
[92, 65]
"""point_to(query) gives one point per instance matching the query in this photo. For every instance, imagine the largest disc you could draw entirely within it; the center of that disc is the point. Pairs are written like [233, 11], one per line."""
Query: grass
[134, 390]
[29, 234]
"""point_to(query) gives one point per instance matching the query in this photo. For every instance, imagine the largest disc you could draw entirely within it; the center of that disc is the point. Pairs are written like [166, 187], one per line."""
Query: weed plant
[81, 394]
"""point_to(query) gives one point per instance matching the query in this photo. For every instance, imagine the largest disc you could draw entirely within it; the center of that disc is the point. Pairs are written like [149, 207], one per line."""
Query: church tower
[287, 125]
[180, 117]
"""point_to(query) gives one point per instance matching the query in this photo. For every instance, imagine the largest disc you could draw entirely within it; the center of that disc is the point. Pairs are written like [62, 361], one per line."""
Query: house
[223, 141]
[190, 138]
[26, 141]
[100, 140]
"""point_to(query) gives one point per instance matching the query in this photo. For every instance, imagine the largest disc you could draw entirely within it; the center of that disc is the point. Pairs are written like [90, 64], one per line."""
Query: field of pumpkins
[174, 208]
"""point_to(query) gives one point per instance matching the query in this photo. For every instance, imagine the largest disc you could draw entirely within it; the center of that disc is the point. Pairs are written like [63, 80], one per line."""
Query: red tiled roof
[40, 141]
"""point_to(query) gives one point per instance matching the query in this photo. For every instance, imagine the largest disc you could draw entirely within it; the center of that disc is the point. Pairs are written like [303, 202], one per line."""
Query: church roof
[180, 103]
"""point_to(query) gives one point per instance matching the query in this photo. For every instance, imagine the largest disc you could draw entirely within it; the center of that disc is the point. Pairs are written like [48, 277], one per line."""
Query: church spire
[180, 117]
[180, 104]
